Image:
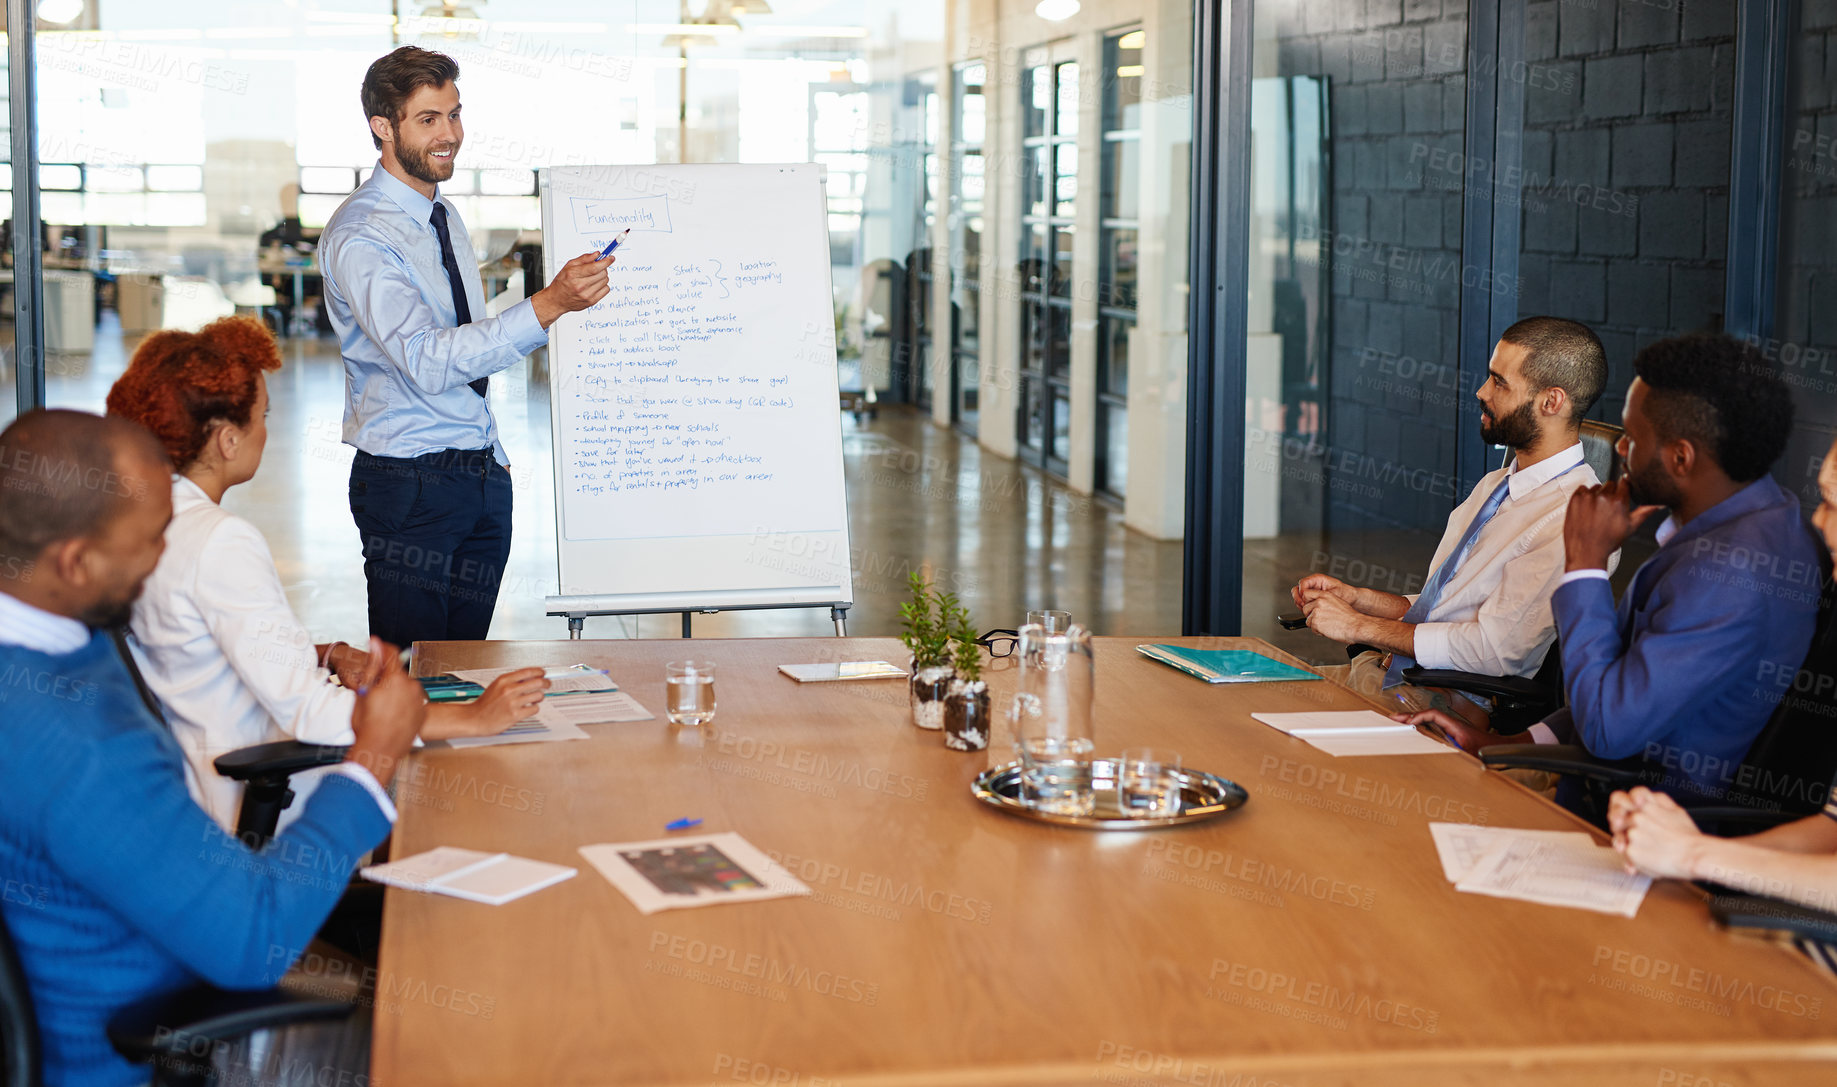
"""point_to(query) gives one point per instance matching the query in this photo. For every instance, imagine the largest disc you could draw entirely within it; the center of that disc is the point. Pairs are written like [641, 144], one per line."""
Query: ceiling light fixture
[60, 12]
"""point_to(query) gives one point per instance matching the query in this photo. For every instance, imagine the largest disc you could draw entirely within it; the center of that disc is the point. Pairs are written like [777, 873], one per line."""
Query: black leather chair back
[1598, 441]
[1794, 759]
[21, 1063]
[1598, 452]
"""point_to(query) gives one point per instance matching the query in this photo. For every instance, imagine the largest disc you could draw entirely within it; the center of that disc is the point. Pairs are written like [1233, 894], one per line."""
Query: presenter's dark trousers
[436, 535]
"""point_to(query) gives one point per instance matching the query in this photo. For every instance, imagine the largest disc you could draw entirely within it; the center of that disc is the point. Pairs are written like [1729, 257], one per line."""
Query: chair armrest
[1510, 688]
[1567, 759]
[190, 1024]
[1771, 915]
[281, 758]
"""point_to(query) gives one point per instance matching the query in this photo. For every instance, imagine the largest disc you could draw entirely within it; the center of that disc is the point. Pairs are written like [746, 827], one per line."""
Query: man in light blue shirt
[429, 489]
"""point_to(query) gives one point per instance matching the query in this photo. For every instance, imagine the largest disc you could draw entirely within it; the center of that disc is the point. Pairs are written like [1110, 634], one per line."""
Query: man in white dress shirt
[1485, 604]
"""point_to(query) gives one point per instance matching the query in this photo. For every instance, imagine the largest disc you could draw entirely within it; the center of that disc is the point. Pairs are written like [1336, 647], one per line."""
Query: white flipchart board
[695, 410]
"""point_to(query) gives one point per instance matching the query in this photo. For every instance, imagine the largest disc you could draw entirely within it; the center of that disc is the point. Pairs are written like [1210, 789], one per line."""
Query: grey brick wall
[1625, 194]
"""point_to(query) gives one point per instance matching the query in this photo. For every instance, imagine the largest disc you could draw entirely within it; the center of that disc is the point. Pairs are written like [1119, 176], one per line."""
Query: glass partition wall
[1353, 300]
[193, 151]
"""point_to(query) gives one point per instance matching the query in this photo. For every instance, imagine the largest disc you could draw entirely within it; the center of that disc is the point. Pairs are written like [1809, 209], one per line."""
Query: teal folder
[1225, 665]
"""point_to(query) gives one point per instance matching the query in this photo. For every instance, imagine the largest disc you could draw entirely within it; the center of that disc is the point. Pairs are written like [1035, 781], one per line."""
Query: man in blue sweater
[116, 885]
[1712, 629]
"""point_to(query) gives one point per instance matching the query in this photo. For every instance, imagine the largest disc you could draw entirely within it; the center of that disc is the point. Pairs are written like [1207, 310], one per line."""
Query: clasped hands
[1337, 610]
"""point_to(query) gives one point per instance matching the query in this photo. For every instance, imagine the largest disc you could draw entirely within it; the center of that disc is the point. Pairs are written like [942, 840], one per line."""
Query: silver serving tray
[1202, 796]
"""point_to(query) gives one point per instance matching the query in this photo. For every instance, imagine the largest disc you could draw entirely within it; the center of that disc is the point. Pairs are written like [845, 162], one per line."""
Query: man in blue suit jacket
[114, 884]
[1713, 627]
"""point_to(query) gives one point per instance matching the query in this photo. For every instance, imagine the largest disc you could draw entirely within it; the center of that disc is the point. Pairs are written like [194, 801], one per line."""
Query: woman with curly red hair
[218, 643]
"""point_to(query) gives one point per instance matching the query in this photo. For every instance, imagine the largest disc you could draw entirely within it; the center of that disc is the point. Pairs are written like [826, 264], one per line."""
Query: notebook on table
[1225, 665]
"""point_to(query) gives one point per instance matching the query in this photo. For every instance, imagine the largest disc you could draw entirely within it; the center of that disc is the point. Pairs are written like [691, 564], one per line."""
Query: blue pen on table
[614, 244]
[682, 824]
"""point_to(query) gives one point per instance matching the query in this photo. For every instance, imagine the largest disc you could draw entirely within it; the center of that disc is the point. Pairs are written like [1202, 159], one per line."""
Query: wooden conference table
[1306, 938]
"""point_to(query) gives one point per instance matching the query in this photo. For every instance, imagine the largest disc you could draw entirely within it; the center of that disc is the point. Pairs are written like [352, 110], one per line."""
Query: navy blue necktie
[460, 306]
[1432, 592]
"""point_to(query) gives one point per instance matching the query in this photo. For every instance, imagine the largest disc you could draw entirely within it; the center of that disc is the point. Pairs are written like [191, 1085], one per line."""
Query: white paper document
[702, 870]
[540, 729]
[568, 680]
[845, 670]
[1354, 732]
[491, 878]
[1461, 845]
[1326, 721]
[597, 708]
[1555, 868]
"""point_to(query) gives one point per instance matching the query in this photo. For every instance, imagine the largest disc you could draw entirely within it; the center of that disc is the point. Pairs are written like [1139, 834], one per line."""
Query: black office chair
[1785, 774]
[1599, 449]
[266, 771]
[178, 1033]
[1518, 703]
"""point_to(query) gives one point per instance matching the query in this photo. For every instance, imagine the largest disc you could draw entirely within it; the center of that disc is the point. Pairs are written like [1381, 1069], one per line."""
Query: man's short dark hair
[1564, 355]
[1721, 395]
[392, 79]
[62, 478]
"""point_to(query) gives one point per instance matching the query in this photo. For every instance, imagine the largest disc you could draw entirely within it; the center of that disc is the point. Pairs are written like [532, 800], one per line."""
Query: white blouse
[230, 662]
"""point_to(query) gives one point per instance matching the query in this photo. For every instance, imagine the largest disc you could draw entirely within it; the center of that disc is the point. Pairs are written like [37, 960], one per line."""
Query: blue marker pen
[614, 244]
[682, 824]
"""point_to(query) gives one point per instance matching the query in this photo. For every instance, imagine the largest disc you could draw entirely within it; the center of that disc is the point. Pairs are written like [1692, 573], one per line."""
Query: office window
[1049, 160]
[968, 127]
[840, 124]
[1120, 232]
[917, 151]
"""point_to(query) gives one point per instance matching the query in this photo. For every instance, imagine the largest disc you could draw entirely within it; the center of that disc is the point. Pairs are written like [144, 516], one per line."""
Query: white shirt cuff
[362, 775]
[1540, 732]
[1580, 575]
[1432, 645]
[522, 326]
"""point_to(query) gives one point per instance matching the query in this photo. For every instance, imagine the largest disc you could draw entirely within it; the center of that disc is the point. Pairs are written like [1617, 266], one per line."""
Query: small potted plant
[966, 706]
[927, 635]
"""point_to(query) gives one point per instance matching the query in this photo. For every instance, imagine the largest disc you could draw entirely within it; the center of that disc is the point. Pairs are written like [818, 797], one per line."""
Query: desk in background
[1308, 938]
[276, 262]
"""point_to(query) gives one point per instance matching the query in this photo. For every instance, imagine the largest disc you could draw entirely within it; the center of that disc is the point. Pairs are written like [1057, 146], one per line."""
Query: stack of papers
[1553, 867]
[541, 729]
[577, 695]
[704, 870]
[1354, 732]
[491, 878]
[1225, 665]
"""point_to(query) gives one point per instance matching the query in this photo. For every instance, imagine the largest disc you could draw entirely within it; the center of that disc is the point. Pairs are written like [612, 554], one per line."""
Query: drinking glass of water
[689, 692]
[1055, 622]
[1051, 715]
[1056, 775]
[1148, 783]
